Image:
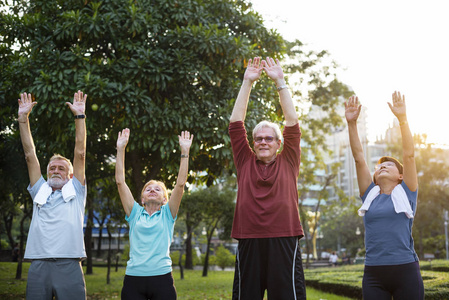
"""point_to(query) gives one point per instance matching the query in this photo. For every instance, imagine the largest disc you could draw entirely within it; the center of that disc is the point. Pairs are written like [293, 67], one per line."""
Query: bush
[175, 259]
[439, 265]
[125, 254]
[224, 257]
[347, 280]
[212, 259]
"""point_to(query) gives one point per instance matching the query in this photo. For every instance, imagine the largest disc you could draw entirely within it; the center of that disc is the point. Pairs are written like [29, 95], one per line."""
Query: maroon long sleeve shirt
[267, 197]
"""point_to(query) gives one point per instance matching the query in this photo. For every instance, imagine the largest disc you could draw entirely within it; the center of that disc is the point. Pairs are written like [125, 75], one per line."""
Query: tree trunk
[117, 257]
[108, 274]
[305, 229]
[181, 268]
[8, 221]
[188, 243]
[206, 259]
[136, 172]
[100, 233]
[21, 243]
[88, 235]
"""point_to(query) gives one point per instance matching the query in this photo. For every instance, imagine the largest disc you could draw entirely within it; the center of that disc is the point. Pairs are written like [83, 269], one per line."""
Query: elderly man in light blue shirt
[55, 241]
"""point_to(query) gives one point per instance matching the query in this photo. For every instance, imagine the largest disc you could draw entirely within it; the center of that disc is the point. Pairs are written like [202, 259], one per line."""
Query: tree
[154, 66]
[212, 207]
[218, 210]
[190, 212]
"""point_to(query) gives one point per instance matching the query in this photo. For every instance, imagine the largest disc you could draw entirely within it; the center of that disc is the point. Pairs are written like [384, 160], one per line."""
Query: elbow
[29, 155]
[80, 154]
[181, 184]
[409, 157]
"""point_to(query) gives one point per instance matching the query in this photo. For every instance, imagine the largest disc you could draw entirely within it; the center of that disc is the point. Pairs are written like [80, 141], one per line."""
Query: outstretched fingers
[254, 63]
[185, 139]
[26, 103]
[78, 107]
[123, 138]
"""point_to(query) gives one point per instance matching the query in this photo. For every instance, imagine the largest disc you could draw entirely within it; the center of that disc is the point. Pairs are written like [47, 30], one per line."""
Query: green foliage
[4, 244]
[213, 207]
[438, 265]
[212, 259]
[224, 258]
[125, 254]
[347, 281]
[175, 259]
[156, 67]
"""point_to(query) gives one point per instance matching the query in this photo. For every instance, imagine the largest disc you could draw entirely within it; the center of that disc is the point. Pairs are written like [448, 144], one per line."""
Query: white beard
[57, 182]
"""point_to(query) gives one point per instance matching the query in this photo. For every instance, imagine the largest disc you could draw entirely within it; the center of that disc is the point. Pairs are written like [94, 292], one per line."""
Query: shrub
[224, 257]
[212, 259]
[175, 259]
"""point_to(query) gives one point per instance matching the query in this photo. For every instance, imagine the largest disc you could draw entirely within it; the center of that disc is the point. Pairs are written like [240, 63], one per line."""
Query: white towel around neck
[68, 193]
[398, 197]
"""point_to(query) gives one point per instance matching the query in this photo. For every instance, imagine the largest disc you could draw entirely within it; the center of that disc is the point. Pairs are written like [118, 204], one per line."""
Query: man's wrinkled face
[57, 173]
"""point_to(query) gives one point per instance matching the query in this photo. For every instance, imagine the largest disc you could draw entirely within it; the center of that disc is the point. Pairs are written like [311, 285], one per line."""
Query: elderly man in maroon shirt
[266, 219]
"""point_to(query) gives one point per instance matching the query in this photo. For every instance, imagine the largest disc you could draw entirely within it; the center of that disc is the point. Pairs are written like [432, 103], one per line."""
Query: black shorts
[271, 264]
[149, 287]
[403, 282]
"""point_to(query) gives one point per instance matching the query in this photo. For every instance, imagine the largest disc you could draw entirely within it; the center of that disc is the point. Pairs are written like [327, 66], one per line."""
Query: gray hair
[264, 124]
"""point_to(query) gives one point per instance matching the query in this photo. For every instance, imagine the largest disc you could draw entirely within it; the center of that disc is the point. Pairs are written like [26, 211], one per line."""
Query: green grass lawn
[217, 285]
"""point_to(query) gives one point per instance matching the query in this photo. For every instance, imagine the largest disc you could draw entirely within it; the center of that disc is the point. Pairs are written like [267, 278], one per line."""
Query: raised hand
[352, 109]
[26, 104]
[398, 107]
[123, 138]
[253, 70]
[274, 70]
[79, 103]
[185, 141]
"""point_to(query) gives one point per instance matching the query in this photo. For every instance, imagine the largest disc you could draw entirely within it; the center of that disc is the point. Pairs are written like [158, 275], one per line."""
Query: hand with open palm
[26, 105]
[352, 109]
[398, 107]
[253, 70]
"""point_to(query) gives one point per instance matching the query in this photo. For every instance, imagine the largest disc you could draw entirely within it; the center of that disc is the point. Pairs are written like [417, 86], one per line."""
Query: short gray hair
[264, 124]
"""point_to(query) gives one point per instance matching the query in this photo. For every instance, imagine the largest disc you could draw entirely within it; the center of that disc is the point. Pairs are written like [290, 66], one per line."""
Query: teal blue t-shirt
[388, 235]
[150, 238]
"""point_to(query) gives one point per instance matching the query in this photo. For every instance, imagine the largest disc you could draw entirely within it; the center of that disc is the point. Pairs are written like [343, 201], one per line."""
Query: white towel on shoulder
[68, 193]
[398, 196]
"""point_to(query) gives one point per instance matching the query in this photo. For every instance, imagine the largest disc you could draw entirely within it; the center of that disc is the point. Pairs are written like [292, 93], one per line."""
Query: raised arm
[185, 141]
[352, 112]
[252, 73]
[78, 108]
[125, 193]
[26, 104]
[408, 150]
[274, 71]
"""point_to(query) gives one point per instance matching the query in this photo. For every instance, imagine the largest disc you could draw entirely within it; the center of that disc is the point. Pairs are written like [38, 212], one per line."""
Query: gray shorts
[59, 277]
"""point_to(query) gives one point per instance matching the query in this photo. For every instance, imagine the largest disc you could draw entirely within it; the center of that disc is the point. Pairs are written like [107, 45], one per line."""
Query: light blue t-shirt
[388, 235]
[56, 229]
[150, 238]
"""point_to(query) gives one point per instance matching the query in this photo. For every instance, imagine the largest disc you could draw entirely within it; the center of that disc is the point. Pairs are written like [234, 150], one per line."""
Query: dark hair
[392, 159]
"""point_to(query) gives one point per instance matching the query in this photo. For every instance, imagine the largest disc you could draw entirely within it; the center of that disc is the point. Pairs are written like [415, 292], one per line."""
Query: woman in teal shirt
[148, 271]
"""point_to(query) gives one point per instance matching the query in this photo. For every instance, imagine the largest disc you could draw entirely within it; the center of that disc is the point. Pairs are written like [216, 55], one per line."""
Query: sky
[381, 46]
